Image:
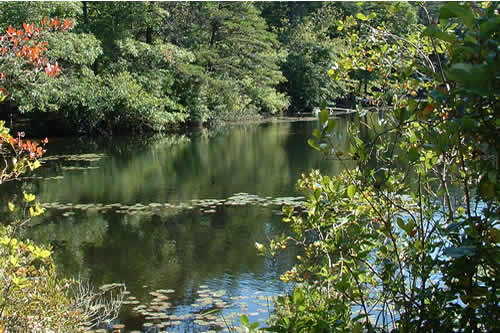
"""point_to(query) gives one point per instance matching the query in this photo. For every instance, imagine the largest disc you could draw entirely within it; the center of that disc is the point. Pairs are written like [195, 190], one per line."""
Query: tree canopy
[132, 66]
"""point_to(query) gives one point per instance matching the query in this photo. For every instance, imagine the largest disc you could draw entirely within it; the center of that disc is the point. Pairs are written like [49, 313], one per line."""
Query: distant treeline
[128, 66]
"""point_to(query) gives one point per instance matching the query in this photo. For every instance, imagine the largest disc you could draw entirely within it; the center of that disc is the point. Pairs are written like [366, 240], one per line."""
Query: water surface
[178, 212]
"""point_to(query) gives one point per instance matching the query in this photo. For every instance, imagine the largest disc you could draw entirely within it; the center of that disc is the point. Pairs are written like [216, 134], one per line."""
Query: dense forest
[153, 65]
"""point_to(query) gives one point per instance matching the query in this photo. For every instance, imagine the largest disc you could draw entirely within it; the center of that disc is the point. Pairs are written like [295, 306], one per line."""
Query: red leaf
[429, 108]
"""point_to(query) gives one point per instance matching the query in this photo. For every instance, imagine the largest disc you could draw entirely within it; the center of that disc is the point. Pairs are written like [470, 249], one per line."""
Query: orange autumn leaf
[429, 108]
[55, 23]
[28, 28]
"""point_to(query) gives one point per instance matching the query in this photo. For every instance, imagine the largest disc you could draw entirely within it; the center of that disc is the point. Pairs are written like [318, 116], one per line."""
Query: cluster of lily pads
[71, 168]
[212, 311]
[206, 206]
[71, 159]
[75, 157]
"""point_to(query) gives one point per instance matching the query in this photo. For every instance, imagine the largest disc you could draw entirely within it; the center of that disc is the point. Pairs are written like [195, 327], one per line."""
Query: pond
[176, 218]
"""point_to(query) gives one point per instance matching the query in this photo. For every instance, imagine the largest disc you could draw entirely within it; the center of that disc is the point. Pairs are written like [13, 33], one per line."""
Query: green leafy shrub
[32, 298]
[408, 239]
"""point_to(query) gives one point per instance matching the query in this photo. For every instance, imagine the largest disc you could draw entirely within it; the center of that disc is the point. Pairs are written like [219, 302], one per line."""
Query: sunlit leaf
[261, 248]
[28, 197]
[323, 116]
[351, 190]
[244, 320]
[361, 17]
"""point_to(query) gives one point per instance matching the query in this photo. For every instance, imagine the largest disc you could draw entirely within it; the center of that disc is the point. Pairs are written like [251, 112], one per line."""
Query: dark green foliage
[145, 65]
[313, 46]
[238, 55]
[313, 35]
[189, 62]
[18, 12]
[396, 17]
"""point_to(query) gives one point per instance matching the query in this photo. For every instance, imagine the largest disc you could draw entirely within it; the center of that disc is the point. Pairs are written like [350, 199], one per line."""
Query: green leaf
[244, 320]
[361, 17]
[260, 248]
[413, 154]
[464, 13]
[479, 291]
[401, 223]
[44, 254]
[467, 122]
[13, 260]
[410, 228]
[489, 26]
[323, 116]
[19, 281]
[342, 286]
[313, 144]
[351, 190]
[254, 326]
[298, 297]
[436, 32]
[330, 126]
[412, 105]
[28, 197]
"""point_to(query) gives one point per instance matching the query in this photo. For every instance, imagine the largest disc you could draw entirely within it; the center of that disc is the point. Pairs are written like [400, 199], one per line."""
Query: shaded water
[122, 210]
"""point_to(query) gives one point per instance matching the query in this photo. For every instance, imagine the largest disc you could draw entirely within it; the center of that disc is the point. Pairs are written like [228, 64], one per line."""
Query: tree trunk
[85, 14]
[149, 35]
[214, 33]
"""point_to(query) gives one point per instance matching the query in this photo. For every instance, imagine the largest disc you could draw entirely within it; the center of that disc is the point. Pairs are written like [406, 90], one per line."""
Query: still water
[179, 213]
